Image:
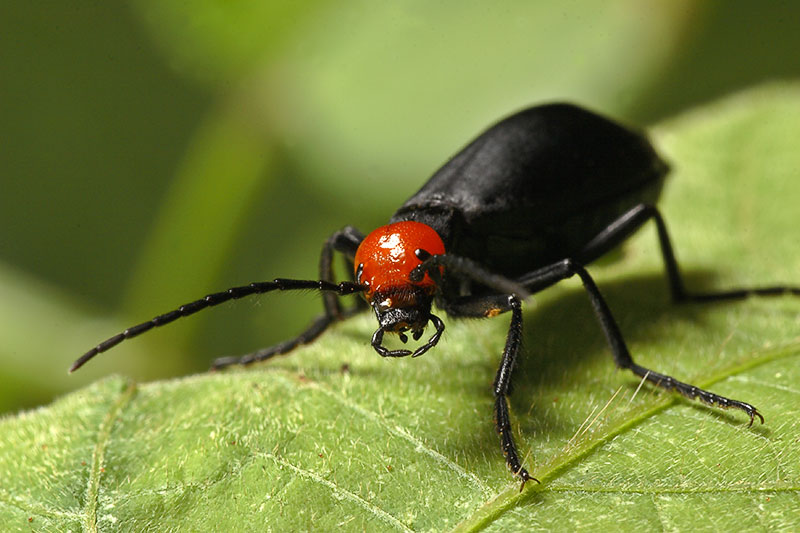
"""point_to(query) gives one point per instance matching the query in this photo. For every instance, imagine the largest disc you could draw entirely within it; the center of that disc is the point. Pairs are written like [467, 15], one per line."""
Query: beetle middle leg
[567, 268]
[344, 241]
[491, 305]
[614, 234]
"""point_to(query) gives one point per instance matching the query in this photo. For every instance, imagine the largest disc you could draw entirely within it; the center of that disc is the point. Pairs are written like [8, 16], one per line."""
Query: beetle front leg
[502, 388]
[486, 306]
[317, 327]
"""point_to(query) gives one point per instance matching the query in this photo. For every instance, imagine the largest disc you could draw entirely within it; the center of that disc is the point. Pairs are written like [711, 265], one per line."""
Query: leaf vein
[396, 430]
[339, 492]
[658, 515]
[761, 382]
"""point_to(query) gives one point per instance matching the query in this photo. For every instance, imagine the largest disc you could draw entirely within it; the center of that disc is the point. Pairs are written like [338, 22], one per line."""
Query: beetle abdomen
[538, 185]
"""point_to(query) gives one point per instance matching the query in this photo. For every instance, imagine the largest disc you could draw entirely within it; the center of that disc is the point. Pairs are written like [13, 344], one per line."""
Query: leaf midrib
[98, 456]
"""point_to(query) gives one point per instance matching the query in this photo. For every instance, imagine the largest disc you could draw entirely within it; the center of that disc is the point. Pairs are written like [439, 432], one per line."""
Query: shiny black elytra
[530, 202]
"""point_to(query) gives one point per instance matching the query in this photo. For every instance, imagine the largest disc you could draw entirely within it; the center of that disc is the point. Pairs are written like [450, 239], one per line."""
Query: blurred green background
[155, 150]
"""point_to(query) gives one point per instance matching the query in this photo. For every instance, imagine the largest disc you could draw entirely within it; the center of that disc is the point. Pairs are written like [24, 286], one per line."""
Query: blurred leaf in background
[158, 150]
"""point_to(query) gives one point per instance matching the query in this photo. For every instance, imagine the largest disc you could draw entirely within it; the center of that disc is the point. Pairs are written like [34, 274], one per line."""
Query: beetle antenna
[234, 293]
[470, 269]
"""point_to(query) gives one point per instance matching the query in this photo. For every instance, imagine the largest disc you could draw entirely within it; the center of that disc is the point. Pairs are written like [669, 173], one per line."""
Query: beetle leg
[344, 241]
[632, 220]
[317, 327]
[622, 228]
[492, 305]
[502, 387]
[622, 357]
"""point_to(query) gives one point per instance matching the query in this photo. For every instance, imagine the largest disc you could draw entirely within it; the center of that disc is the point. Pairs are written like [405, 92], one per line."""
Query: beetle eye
[421, 254]
[359, 271]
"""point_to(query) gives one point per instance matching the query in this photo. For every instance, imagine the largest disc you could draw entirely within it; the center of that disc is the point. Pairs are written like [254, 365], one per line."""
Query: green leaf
[335, 437]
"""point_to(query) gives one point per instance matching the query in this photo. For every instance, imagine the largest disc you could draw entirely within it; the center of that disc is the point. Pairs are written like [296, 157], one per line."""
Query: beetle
[528, 203]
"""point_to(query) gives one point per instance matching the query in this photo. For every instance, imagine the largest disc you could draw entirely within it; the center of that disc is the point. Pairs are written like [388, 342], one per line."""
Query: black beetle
[530, 202]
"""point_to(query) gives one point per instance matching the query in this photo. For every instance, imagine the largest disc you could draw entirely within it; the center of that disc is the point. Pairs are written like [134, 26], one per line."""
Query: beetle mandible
[528, 203]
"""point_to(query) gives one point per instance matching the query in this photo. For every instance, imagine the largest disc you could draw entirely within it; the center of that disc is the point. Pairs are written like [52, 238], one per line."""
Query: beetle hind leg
[631, 221]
